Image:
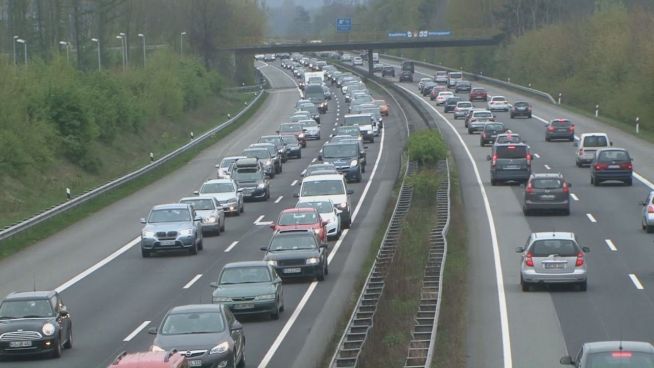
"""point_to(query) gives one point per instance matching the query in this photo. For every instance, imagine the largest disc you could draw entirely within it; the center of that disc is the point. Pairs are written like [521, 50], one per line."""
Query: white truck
[314, 78]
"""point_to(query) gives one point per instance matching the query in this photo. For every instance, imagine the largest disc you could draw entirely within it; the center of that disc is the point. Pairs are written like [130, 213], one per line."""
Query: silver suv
[553, 258]
[226, 192]
[211, 211]
[171, 227]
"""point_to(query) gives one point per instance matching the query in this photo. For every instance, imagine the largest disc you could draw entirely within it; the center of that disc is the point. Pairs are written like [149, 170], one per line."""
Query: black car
[462, 86]
[406, 76]
[264, 157]
[427, 87]
[209, 334]
[520, 108]
[297, 253]
[34, 323]
[611, 164]
[251, 180]
[490, 132]
[546, 192]
[347, 158]
[388, 70]
[293, 146]
[450, 104]
[560, 129]
[278, 142]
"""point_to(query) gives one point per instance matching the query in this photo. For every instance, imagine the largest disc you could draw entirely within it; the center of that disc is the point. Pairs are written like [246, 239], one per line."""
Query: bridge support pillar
[371, 69]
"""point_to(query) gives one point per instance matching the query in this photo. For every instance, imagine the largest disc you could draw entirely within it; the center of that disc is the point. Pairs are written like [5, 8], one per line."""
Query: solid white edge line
[504, 320]
[574, 196]
[293, 183]
[258, 219]
[279, 199]
[136, 331]
[636, 282]
[610, 244]
[231, 246]
[296, 313]
[193, 280]
[591, 218]
[98, 265]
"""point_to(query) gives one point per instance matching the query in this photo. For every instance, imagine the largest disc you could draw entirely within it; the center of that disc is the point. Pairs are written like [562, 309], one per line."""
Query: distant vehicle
[259, 56]
[346, 57]
[294, 129]
[461, 109]
[264, 157]
[408, 66]
[477, 119]
[311, 129]
[442, 96]
[269, 57]
[648, 213]
[498, 103]
[224, 167]
[612, 354]
[367, 125]
[478, 94]
[553, 258]
[347, 159]
[357, 61]
[375, 57]
[508, 137]
[171, 227]
[226, 193]
[490, 132]
[329, 187]
[462, 86]
[278, 142]
[211, 211]
[611, 164]
[274, 154]
[383, 107]
[328, 213]
[34, 323]
[521, 108]
[560, 129]
[251, 179]
[293, 146]
[450, 103]
[150, 359]
[406, 76]
[509, 162]
[301, 219]
[323, 167]
[546, 192]
[316, 95]
[427, 87]
[588, 144]
[297, 254]
[453, 78]
[388, 70]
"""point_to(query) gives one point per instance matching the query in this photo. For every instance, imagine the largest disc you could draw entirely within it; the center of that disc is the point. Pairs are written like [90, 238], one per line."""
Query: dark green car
[250, 288]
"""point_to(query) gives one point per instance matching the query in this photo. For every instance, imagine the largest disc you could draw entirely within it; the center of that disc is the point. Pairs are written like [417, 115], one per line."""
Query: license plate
[243, 306]
[167, 242]
[614, 166]
[195, 363]
[512, 167]
[554, 266]
[547, 196]
[562, 130]
[20, 344]
[292, 270]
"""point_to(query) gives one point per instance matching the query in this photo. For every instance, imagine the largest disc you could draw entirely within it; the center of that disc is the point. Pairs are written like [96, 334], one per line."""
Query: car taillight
[627, 166]
[600, 166]
[530, 188]
[550, 129]
[528, 157]
[494, 160]
[566, 189]
[621, 354]
[580, 259]
[529, 261]
[571, 128]
[650, 209]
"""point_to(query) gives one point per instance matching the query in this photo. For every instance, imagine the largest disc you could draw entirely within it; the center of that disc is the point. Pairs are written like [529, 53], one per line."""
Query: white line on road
[548, 167]
[574, 196]
[231, 246]
[304, 172]
[612, 246]
[279, 199]
[136, 331]
[314, 160]
[258, 219]
[293, 183]
[636, 282]
[590, 217]
[193, 280]
[536, 155]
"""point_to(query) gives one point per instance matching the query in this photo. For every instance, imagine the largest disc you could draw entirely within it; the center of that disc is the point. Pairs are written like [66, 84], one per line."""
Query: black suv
[406, 76]
[462, 86]
[35, 322]
[347, 157]
[611, 164]
[510, 162]
[490, 132]
[450, 103]
[388, 70]
[547, 192]
[250, 178]
[297, 253]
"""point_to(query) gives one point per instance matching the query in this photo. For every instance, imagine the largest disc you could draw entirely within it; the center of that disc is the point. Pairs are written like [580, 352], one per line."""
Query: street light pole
[181, 43]
[124, 36]
[143, 38]
[99, 62]
[15, 38]
[123, 49]
[66, 44]
[20, 40]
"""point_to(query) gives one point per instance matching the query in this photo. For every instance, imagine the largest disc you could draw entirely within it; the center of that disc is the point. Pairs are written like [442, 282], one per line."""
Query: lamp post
[142, 36]
[15, 38]
[20, 40]
[181, 43]
[66, 44]
[123, 49]
[99, 62]
[124, 36]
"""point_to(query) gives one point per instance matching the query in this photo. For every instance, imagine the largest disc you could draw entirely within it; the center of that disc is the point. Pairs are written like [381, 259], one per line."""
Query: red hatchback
[478, 94]
[301, 219]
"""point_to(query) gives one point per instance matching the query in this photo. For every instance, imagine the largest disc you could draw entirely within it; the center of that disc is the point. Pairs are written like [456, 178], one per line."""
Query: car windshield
[608, 156]
[289, 139]
[192, 323]
[297, 218]
[314, 91]
[620, 359]
[546, 183]
[244, 275]
[291, 127]
[169, 215]
[482, 115]
[357, 120]
[478, 90]
[521, 104]
[321, 167]
[226, 162]
[26, 309]
[292, 242]
[549, 247]
[322, 187]
[217, 188]
[309, 123]
[499, 99]
[247, 174]
[257, 153]
[321, 206]
[456, 75]
[200, 204]
[494, 127]
[511, 151]
[508, 139]
[340, 150]
[561, 123]
[353, 131]
[464, 105]
[452, 100]
[595, 141]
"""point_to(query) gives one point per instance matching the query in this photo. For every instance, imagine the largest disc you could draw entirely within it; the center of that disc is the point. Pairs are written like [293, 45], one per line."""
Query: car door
[220, 212]
[197, 225]
[279, 287]
[62, 321]
[235, 333]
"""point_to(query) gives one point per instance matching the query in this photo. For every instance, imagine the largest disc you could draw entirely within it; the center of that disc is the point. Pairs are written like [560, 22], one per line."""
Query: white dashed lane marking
[590, 217]
[610, 244]
[279, 199]
[574, 196]
[231, 246]
[193, 280]
[136, 331]
[293, 183]
[636, 282]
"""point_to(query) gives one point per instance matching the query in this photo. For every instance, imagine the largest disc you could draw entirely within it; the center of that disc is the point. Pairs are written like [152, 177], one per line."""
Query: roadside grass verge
[451, 336]
[49, 227]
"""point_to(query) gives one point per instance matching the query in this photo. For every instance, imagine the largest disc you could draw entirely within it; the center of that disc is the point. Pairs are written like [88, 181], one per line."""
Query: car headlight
[265, 297]
[211, 219]
[261, 186]
[354, 163]
[220, 348]
[268, 162]
[342, 205]
[272, 263]
[221, 299]
[186, 232]
[313, 260]
[156, 348]
[301, 135]
[317, 231]
[48, 329]
[147, 234]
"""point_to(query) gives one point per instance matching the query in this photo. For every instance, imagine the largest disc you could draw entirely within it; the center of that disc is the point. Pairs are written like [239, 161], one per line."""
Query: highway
[511, 328]
[114, 295]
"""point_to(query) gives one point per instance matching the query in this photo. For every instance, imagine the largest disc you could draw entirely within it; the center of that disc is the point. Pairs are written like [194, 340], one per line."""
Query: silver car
[226, 193]
[328, 212]
[461, 109]
[225, 166]
[171, 227]
[648, 213]
[211, 211]
[553, 258]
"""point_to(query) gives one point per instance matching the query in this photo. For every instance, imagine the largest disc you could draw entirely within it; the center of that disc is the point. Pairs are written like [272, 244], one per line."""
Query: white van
[375, 58]
[588, 144]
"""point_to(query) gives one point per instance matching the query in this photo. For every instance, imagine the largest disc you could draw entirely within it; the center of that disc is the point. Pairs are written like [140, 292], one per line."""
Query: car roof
[196, 308]
[245, 264]
[342, 142]
[547, 176]
[553, 234]
[30, 295]
[601, 346]
[355, 115]
[233, 157]
[338, 177]
[323, 172]
[218, 181]
[154, 359]
[298, 209]
[314, 201]
[591, 134]
[245, 162]
[170, 206]
[606, 149]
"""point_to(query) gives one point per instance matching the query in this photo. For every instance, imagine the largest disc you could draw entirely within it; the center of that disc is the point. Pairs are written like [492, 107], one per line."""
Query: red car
[295, 129]
[301, 219]
[478, 94]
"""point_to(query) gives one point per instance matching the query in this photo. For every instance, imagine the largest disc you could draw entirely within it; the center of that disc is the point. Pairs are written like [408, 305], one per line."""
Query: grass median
[49, 227]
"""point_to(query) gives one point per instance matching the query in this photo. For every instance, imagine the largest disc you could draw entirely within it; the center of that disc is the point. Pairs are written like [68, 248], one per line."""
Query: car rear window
[561, 123]
[494, 127]
[611, 359]
[511, 151]
[482, 114]
[608, 156]
[478, 90]
[595, 141]
[546, 183]
[520, 104]
[548, 247]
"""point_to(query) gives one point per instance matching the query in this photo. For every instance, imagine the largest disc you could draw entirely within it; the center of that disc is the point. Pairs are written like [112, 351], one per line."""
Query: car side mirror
[239, 190]
[213, 284]
[488, 157]
[319, 157]
[611, 143]
[273, 226]
[519, 249]
[643, 203]
[236, 326]
[569, 185]
[566, 360]
[263, 248]
[196, 192]
[152, 330]
[63, 312]
[277, 131]
[350, 191]
[217, 166]
[277, 280]
[142, 220]
[585, 249]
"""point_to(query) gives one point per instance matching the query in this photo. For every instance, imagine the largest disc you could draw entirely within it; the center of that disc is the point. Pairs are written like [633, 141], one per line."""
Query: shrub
[426, 147]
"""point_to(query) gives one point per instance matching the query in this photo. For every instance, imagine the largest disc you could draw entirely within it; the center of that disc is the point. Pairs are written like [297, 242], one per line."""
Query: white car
[442, 96]
[327, 213]
[498, 103]
[461, 109]
[226, 193]
[225, 167]
[328, 188]
[357, 60]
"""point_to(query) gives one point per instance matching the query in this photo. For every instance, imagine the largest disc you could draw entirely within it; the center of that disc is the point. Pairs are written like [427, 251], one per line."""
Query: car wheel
[145, 253]
[242, 209]
[275, 314]
[524, 285]
[493, 182]
[469, 131]
[572, 139]
[193, 250]
[566, 211]
[583, 286]
[69, 341]
[347, 224]
[525, 211]
[201, 244]
[649, 229]
[222, 226]
[629, 182]
[512, 116]
[321, 275]
[241, 363]
[217, 231]
[594, 181]
[547, 139]
[363, 168]
[58, 349]
[529, 116]
[326, 268]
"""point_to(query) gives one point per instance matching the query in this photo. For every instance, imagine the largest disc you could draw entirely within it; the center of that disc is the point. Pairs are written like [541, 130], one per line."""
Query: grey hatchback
[171, 227]
[552, 258]
[547, 192]
[510, 162]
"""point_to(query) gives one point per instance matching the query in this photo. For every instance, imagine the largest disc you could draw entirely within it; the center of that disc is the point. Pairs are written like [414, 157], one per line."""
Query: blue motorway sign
[344, 24]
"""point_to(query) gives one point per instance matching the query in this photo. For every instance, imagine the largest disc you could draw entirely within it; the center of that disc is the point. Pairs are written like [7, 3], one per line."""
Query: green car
[250, 288]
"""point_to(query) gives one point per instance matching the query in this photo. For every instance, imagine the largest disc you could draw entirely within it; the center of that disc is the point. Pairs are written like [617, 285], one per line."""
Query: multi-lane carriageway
[114, 295]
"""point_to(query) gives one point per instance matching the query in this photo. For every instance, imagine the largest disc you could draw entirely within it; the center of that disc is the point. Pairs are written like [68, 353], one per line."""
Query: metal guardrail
[361, 320]
[92, 193]
[498, 82]
[423, 336]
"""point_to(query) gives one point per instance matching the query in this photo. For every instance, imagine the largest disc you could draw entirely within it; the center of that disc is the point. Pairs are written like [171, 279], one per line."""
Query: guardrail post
[596, 110]
[151, 157]
[192, 136]
[637, 125]
[559, 101]
[530, 85]
[508, 80]
[67, 193]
